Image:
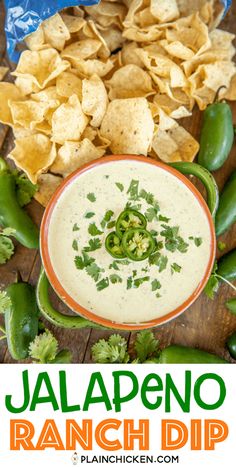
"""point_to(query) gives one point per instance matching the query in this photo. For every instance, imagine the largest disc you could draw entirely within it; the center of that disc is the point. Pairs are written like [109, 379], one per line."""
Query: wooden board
[205, 325]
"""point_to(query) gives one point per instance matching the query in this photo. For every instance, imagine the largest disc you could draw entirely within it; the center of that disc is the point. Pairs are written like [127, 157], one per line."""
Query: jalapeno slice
[114, 246]
[138, 244]
[130, 219]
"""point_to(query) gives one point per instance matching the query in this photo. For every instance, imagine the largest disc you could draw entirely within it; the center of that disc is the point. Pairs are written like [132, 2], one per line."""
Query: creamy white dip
[116, 302]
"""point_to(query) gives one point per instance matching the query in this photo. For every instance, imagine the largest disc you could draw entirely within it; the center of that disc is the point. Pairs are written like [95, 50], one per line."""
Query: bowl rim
[66, 297]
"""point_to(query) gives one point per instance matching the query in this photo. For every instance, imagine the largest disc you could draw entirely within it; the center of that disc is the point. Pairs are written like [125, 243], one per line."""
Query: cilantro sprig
[6, 245]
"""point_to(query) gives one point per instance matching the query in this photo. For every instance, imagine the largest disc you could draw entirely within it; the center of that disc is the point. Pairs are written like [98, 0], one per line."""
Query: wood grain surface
[205, 325]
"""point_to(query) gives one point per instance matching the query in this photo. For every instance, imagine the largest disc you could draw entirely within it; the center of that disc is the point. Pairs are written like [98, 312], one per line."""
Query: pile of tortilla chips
[114, 78]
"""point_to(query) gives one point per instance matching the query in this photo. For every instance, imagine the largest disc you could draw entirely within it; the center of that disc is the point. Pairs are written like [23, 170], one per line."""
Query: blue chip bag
[24, 17]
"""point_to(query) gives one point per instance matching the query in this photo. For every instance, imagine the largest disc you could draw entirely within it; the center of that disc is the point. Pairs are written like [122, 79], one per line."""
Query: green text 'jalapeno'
[113, 245]
[130, 219]
[138, 244]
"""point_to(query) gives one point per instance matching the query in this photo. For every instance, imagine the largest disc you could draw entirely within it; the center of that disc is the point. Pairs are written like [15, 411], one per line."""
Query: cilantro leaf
[106, 218]
[5, 302]
[115, 264]
[158, 260]
[25, 190]
[153, 233]
[175, 268]
[103, 284]
[115, 278]
[94, 244]
[91, 197]
[94, 271]
[155, 285]
[75, 228]
[93, 230]
[163, 218]
[133, 190]
[6, 249]
[140, 280]
[146, 345]
[212, 286]
[113, 350]
[111, 224]
[88, 215]
[44, 347]
[151, 214]
[120, 186]
[173, 241]
[135, 207]
[129, 283]
[197, 240]
[75, 245]
[82, 261]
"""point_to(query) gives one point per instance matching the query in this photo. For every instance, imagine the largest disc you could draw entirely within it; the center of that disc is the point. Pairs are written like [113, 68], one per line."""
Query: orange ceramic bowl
[68, 299]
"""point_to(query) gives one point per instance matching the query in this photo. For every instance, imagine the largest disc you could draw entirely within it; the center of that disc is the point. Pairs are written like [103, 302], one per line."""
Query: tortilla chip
[55, 32]
[107, 13]
[40, 68]
[171, 107]
[8, 92]
[173, 143]
[87, 68]
[71, 156]
[113, 38]
[190, 31]
[221, 44]
[230, 94]
[67, 84]
[149, 34]
[36, 40]
[217, 74]
[177, 49]
[128, 124]
[129, 81]
[33, 154]
[91, 30]
[68, 121]
[129, 56]
[28, 113]
[49, 96]
[94, 99]
[47, 185]
[3, 71]
[162, 66]
[87, 48]
[164, 10]
[73, 23]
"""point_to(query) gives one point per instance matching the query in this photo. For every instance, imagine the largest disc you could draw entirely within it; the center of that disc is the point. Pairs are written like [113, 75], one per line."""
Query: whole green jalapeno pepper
[54, 316]
[226, 213]
[186, 355]
[217, 136]
[231, 305]
[190, 168]
[227, 266]
[231, 345]
[21, 319]
[11, 214]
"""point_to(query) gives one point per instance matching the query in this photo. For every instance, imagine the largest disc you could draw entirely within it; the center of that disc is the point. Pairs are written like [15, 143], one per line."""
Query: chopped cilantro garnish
[106, 218]
[88, 215]
[133, 190]
[25, 189]
[135, 207]
[134, 273]
[82, 261]
[151, 214]
[94, 271]
[173, 241]
[197, 240]
[120, 186]
[94, 244]
[115, 264]
[6, 245]
[139, 281]
[75, 245]
[155, 285]
[149, 198]
[175, 268]
[129, 283]
[93, 230]
[163, 218]
[75, 228]
[111, 224]
[158, 260]
[91, 197]
[103, 284]
[115, 278]
[154, 233]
